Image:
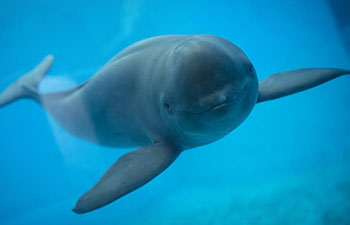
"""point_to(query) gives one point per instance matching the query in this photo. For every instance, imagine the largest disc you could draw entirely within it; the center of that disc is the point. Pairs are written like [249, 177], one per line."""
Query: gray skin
[163, 95]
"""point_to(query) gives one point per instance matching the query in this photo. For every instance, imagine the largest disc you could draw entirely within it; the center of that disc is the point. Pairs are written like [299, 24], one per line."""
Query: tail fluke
[26, 86]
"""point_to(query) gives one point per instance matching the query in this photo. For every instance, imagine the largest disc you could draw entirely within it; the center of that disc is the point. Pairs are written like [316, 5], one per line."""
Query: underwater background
[288, 163]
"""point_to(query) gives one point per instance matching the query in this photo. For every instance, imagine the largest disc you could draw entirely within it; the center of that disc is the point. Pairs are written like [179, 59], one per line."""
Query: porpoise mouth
[219, 106]
[223, 104]
[216, 107]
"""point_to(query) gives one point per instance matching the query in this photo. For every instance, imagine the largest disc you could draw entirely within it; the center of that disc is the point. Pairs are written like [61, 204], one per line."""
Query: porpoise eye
[166, 106]
[251, 69]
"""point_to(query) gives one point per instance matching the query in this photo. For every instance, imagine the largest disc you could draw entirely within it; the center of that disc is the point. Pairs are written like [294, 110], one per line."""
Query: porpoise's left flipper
[128, 173]
[287, 83]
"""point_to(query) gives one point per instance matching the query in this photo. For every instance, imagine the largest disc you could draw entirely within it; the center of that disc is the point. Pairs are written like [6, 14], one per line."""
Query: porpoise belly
[118, 128]
[108, 118]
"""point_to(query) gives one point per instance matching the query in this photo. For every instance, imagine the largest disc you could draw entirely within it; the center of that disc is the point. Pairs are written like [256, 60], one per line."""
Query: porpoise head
[211, 87]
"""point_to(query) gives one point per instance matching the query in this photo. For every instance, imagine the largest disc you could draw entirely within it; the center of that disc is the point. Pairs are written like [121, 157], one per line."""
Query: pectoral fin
[128, 173]
[287, 83]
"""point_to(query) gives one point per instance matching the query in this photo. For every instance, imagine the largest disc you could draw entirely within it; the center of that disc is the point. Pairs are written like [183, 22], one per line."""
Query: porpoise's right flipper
[26, 86]
[130, 172]
[287, 83]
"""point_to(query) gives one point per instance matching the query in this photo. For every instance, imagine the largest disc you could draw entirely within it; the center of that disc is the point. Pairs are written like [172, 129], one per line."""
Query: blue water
[288, 163]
